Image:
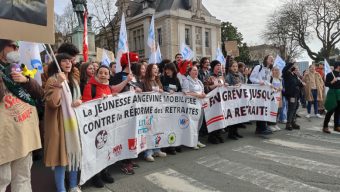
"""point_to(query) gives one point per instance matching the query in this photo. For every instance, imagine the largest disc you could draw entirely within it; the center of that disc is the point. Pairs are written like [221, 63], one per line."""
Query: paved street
[305, 160]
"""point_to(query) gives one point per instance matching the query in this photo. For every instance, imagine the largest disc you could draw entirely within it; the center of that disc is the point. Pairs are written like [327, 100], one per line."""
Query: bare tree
[304, 20]
[67, 22]
[276, 32]
[103, 25]
[308, 19]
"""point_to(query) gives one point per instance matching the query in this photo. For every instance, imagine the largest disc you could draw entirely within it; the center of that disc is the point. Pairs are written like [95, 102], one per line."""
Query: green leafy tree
[230, 33]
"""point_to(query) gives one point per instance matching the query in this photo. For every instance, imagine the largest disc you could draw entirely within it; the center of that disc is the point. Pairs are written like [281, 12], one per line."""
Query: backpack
[261, 67]
[93, 91]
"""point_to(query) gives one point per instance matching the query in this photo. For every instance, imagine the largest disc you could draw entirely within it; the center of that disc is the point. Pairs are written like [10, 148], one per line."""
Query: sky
[249, 16]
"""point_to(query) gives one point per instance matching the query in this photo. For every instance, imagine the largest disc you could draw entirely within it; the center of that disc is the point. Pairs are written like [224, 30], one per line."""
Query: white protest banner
[226, 106]
[123, 126]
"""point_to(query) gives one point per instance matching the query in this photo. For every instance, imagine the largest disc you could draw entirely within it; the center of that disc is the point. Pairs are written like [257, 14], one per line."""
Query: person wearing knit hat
[124, 81]
[183, 66]
[126, 57]
[19, 121]
[213, 81]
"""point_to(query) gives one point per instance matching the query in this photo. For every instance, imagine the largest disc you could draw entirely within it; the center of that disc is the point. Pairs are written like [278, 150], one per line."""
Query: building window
[187, 35]
[207, 38]
[138, 39]
[159, 35]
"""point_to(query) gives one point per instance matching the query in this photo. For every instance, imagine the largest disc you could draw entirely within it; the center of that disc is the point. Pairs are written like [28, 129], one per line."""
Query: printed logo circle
[171, 138]
[101, 139]
[183, 122]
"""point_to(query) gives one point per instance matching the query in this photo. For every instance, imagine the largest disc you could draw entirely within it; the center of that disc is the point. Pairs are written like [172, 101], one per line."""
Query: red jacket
[100, 90]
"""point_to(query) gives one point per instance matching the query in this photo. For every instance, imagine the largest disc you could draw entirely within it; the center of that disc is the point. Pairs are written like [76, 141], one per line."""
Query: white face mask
[13, 57]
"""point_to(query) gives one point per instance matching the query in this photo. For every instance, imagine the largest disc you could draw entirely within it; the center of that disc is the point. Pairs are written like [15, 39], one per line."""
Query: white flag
[186, 52]
[327, 68]
[152, 42]
[30, 56]
[122, 43]
[279, 62]
[220, 57]
[158, 55]
[105, 58]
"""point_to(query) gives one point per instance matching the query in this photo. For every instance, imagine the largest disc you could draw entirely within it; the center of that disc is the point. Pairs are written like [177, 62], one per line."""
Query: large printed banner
[123, 126]
[226, 106]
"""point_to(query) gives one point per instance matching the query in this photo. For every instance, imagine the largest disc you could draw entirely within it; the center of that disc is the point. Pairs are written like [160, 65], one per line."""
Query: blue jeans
[314, 102]
[59, 178]
[283, 110]
[150, 152]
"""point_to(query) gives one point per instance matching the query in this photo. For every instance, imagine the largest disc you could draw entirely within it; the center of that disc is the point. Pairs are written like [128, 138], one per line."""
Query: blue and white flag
[186, 52]
[105, 58]
[152, 42]
[279, 62]
[220, 57]
[30, 56]
[158, 55]
[122, 43]
[327, 68]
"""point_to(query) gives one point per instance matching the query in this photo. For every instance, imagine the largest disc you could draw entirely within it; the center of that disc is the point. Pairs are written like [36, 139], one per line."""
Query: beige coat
[319, 86]
[54, 141]
[19, 129]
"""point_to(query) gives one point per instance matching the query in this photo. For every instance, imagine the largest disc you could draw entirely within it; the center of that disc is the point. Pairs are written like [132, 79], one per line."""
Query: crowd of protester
[90, 80]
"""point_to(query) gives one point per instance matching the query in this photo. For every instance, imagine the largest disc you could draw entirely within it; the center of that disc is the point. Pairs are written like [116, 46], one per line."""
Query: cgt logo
[101, 139]
[132, 143]
[158, 139]
[183, 122]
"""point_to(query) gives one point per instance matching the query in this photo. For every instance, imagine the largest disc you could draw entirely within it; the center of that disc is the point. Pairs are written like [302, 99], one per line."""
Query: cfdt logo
[183, 122]
[101, 139]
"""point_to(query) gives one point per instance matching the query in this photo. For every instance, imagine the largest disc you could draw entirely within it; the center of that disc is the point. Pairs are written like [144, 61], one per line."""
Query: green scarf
[15, 88]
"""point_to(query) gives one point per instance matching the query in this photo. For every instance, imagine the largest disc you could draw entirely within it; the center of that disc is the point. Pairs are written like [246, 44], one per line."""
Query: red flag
[85, 41]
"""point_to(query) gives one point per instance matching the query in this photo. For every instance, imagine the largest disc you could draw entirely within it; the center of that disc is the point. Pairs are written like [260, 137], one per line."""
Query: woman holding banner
[98, 87]
[59, 140]
[215, 80]
[234, 78]
[152, 83]
[194, 87]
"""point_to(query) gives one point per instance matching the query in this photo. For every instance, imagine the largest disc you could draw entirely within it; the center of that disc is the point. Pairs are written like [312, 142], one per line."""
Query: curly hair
[68, 48]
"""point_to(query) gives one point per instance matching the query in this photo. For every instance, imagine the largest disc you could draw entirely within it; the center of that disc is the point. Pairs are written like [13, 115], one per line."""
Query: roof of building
[136, 6]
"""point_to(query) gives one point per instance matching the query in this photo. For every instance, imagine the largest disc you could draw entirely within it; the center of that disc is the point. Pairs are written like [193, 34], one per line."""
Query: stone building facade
[176, 21]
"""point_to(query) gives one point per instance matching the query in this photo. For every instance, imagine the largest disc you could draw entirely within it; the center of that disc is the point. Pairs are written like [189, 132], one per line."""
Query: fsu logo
[101, 139]
[117, 150]
[183, 122]
[132, 144]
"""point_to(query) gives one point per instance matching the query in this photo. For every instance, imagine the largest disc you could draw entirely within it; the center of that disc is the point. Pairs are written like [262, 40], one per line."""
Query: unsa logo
[183, 122]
